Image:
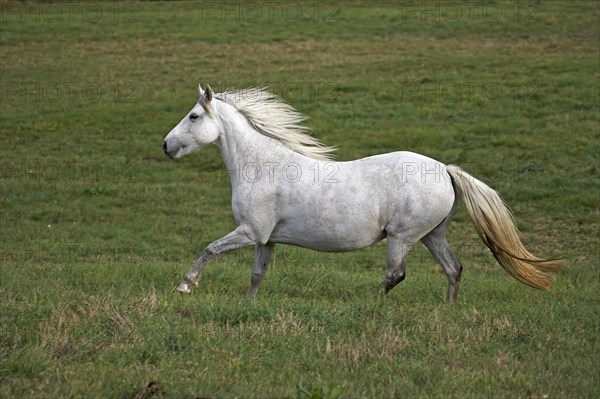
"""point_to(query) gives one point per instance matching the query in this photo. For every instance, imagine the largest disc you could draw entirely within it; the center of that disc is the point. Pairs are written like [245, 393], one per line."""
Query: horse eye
[193, 117]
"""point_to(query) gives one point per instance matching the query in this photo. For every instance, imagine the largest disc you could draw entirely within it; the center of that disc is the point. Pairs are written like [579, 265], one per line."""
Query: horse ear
[200, 91]
[208, 93]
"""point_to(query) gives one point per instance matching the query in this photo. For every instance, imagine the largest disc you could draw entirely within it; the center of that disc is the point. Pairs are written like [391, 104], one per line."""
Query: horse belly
[344, 224]
[318, 239]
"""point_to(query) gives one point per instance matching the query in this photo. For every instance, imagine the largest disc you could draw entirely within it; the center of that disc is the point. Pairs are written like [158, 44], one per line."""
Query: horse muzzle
[165, 147]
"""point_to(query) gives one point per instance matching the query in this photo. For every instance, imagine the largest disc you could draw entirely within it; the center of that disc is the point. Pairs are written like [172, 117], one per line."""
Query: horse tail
[495, 225]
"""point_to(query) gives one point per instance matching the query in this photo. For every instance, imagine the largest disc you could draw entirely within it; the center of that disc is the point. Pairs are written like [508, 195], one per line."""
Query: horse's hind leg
[259, 268]
[436, 242]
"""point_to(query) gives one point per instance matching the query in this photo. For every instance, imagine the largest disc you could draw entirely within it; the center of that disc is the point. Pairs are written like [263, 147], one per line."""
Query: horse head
[196, 130]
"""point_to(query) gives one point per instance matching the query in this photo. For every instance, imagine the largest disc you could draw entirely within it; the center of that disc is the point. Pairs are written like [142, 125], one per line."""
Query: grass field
[98, 226]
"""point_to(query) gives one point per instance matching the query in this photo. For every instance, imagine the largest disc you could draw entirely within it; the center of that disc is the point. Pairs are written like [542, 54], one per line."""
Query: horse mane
[272, 117]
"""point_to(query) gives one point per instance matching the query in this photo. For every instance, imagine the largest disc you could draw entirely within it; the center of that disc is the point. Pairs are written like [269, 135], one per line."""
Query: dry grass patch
[350, 352]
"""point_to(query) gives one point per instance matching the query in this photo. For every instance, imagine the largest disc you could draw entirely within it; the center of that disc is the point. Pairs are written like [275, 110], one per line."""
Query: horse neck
[241, 145]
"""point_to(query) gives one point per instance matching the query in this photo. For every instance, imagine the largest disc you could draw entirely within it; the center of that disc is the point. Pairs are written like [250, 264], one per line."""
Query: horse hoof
[184, 288]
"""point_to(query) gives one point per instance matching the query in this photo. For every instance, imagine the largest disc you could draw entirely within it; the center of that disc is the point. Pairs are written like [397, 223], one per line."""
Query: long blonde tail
[495, 225]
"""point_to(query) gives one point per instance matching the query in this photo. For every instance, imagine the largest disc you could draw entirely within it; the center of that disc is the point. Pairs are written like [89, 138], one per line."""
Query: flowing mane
[270, 116]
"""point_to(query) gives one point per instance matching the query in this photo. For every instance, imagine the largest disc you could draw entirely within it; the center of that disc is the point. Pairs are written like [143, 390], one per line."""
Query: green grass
[98, 226]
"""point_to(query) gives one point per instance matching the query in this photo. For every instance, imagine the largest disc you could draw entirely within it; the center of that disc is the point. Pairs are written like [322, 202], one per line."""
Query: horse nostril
[164, 146]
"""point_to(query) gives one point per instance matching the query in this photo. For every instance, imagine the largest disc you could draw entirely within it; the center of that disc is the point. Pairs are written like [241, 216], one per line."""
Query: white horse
[287, 190]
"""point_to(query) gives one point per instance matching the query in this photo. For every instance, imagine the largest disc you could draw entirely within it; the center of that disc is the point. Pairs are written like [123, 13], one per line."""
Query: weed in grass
[326, 391]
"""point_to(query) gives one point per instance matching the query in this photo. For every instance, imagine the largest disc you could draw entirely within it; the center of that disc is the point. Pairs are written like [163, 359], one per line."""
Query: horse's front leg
[232, 241]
